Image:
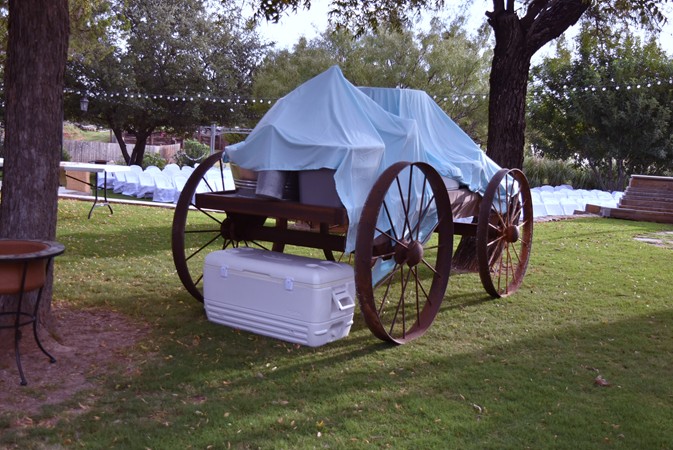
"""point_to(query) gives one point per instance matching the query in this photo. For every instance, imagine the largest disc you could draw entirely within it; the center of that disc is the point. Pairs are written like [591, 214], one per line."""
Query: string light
[635, 85]
[536, 91]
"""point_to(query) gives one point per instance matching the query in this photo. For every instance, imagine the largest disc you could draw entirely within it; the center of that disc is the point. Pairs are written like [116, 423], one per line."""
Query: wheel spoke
[401, 304]
[429, 266]
[255, 243]
[422, 215]
[419, 284]
[210, 230]
[392, 238]
[202, 247]
[405, 207]
[206, 213]
[388, 280]
[515, 250]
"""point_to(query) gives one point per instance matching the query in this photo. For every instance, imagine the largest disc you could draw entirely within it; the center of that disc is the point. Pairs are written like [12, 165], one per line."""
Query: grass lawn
[74, 133]
[490, 374]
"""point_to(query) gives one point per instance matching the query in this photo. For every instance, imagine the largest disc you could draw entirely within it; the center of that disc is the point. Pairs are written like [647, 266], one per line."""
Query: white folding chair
[152, 169]
[164, 189]
[179, 181]
[146, 184]
[171, 169]
[132, 183]
[119, 182]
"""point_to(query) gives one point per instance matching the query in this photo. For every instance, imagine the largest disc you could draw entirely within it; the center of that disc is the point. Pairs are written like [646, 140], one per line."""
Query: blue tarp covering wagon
[327, 122]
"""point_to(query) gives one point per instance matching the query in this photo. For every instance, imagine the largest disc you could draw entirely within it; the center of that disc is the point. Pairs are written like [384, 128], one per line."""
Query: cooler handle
[343, 300]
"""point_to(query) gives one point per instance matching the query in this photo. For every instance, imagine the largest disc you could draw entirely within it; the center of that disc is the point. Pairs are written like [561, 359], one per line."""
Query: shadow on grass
[539, 392]
[110, 244]
[494, 376]
[486, 387]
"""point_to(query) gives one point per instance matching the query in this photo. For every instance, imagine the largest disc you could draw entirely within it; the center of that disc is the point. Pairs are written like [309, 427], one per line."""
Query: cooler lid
[300, 269]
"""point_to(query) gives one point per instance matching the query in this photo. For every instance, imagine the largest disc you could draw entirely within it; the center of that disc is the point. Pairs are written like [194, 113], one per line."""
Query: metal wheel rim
[210, 237]
[190, 279]
[393, 316]
[502, 263]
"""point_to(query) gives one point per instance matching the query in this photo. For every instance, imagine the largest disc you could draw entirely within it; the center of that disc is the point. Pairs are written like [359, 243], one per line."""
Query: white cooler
[293, 298]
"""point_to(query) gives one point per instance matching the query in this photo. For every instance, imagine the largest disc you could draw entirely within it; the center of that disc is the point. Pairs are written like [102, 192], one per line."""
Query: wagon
[400, 239]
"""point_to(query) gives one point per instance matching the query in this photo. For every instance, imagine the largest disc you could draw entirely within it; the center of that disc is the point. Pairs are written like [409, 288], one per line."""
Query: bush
[192, 152]
[153, 159]
[554, 172]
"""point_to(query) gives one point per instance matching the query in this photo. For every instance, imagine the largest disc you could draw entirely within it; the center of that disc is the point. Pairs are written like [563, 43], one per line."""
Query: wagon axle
[239, 227]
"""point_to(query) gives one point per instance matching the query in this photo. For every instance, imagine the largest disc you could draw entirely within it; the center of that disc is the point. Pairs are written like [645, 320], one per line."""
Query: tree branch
[498, 7]
[551, 21]
[533, 10]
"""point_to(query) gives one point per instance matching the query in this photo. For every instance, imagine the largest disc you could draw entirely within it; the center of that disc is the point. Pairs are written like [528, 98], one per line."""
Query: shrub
[192, 152]
[153, 159]
[554, 172]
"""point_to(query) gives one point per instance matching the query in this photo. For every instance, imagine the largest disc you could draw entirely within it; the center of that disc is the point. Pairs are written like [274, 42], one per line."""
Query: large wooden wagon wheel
[401, 267]
[504, 232]
[197, 231]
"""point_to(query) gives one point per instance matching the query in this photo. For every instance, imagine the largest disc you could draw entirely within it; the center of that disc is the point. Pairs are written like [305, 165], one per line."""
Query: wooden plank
[631, 203]
[666, 195]
[651, 182]
[592, 209]
[272, 208]
[637, 215]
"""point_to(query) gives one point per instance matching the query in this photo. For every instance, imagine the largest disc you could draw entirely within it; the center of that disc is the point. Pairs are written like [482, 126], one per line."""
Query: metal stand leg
[32, 318]
[37, 306]
[17, 355]
[18, 325]
[95, 201]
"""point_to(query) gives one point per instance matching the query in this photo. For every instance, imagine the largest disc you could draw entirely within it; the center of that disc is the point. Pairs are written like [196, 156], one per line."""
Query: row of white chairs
[159, 185]
[166, 185]
[564, 200]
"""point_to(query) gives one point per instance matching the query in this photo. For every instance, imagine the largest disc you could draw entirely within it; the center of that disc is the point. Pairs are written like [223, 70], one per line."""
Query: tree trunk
[139, 149]
[507, 101]
[517, 39]
[119, 134]
[36, 56]
[506, 111]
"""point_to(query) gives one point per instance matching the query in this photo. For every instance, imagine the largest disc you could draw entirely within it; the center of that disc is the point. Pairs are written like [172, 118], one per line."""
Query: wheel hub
[409, 253]
[227, 229]
[512, 233]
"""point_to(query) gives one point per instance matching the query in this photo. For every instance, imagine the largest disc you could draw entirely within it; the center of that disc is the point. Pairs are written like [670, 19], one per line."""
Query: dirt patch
[86, 343]
[660, 239]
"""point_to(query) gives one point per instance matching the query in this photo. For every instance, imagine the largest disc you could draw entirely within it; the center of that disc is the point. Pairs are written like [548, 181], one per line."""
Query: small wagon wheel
[504, 232]
[401, 267]
[197, 232]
